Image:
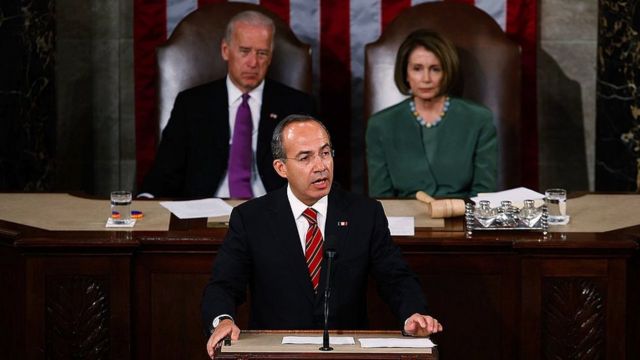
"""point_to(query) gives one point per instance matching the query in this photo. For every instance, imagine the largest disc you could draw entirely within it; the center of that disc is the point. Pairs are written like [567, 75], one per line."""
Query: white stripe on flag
[257, 2]
[365, 19]
[365, 28]
[176, 10]
[304, 20]
[497, 9]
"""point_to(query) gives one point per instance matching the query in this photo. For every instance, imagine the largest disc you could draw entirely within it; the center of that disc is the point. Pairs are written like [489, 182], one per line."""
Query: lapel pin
[342, 223]
[273, 116]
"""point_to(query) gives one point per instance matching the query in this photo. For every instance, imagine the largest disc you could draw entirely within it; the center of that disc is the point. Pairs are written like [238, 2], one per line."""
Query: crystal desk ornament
[485, 214]
[529, 214]
[506, 217]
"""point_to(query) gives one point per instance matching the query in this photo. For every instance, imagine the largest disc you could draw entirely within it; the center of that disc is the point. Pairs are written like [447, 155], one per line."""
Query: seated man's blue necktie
[241, 154]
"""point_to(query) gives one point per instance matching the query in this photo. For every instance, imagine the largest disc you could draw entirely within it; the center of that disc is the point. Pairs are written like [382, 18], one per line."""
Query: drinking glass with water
[556, 201]
[121, 207]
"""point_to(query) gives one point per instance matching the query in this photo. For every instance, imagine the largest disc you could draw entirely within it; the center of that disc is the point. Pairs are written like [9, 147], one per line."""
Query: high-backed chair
[489, 71]
[191, 56]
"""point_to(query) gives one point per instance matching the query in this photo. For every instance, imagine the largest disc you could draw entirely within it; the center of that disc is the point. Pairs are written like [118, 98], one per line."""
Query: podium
[267, 344]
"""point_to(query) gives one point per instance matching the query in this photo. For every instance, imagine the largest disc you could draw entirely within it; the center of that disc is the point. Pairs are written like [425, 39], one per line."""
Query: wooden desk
[268, 344]
[123, 294]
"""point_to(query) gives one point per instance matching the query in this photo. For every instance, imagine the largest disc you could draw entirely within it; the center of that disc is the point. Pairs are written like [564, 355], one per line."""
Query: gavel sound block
[443, 208]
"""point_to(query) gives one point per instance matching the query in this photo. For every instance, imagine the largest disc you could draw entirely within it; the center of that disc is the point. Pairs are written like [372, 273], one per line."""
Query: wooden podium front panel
[474, 296]
[573, 306]
[268, 345]
[78, 306]
[167, 310]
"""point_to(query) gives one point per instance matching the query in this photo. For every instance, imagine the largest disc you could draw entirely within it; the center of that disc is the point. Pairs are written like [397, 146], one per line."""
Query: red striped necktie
[313, 247]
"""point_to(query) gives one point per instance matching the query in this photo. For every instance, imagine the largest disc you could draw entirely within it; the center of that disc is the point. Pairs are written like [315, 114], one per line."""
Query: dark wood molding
[499, 295]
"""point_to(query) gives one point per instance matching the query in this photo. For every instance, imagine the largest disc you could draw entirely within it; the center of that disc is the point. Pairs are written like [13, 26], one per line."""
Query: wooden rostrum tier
[72, 290]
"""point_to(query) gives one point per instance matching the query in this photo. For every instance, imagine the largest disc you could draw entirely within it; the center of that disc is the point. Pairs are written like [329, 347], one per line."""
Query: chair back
[192, 56]
[489, 71]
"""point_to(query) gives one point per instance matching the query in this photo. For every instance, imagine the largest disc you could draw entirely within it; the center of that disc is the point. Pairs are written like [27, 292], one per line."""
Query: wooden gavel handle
[424, 197]
[444, 208]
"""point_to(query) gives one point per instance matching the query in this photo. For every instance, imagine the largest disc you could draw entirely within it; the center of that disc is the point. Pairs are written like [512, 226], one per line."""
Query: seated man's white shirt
[255, 104]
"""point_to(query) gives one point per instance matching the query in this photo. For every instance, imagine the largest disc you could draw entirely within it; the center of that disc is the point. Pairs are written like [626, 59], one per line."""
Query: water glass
[556, 201]
[121, 207]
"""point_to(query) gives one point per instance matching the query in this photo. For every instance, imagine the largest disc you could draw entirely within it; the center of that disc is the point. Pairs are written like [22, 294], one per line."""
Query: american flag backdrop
[337, 31]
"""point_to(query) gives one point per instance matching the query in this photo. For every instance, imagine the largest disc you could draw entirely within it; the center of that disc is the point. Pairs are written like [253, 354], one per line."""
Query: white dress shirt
[255, 104]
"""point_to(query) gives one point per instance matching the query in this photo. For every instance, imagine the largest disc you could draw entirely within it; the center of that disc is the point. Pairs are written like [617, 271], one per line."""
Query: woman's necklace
[420, 120]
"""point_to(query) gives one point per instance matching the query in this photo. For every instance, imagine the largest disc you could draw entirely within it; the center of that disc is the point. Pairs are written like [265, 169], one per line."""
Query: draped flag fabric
[337, 31]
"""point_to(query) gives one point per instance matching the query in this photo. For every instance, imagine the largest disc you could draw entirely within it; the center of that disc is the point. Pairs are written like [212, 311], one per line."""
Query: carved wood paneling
[573, 319]
[76, 318]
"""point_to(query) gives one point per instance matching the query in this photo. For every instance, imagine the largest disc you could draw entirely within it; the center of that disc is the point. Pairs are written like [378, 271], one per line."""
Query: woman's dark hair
[440, 46]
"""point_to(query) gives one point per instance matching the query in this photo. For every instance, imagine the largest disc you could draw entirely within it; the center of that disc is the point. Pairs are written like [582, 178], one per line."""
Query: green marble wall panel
[617, 96]
[27, 95]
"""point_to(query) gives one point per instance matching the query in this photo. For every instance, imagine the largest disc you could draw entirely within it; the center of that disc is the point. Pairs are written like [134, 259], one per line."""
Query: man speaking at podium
[275, 244]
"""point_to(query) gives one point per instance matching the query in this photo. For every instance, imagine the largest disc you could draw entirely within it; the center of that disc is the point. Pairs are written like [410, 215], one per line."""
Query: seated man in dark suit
[216, 142]
[275, 247]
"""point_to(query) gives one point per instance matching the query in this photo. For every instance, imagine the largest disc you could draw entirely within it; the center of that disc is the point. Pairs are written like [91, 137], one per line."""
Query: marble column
[618, 96]
[27, 96]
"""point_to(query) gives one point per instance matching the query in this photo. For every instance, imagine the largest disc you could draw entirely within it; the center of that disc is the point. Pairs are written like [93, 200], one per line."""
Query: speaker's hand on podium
[226, 327]
[421, 325]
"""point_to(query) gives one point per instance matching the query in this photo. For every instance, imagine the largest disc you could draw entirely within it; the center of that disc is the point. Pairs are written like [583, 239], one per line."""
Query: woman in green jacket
[433, 142]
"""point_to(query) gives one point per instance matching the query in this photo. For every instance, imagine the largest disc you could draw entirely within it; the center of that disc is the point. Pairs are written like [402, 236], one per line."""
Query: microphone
[330, 254]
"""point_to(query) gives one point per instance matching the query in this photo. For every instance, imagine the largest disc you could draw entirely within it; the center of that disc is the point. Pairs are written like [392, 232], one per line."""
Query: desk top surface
[57, 215]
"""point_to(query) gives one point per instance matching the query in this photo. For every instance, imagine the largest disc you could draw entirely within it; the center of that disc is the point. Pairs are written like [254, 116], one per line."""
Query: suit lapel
[336, 228]
[269, 118]
[285, 233]
[218, 112]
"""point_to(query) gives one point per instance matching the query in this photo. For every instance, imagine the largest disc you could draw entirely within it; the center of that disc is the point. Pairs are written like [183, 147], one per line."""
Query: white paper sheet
[111, 224]
[402, 225]
[396, 343]
[517, 197]
[317, 340]
[203, 208]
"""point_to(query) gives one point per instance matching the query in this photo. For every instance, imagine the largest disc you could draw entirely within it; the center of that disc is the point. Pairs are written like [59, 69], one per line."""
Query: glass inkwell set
[506, 217]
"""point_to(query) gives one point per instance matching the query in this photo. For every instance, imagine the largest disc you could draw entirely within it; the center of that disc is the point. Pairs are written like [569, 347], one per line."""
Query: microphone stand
[330, 254]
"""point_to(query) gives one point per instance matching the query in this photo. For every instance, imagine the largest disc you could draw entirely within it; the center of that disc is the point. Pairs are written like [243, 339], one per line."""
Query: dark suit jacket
[262, 249]
[194, 151]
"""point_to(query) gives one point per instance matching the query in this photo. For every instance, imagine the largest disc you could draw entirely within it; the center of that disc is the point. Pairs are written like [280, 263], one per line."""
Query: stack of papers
[397, 343]
[402, 225]
[364, 342]
[193, 209]
[317, 340]
[517, 197]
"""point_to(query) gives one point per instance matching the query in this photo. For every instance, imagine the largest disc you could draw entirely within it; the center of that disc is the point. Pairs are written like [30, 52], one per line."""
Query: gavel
[443, 208]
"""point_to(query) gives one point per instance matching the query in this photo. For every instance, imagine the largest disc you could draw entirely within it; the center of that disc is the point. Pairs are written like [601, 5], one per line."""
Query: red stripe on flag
[149, 31]
[335, 80]
[390, 9]
[279, 7]
[521, 26]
